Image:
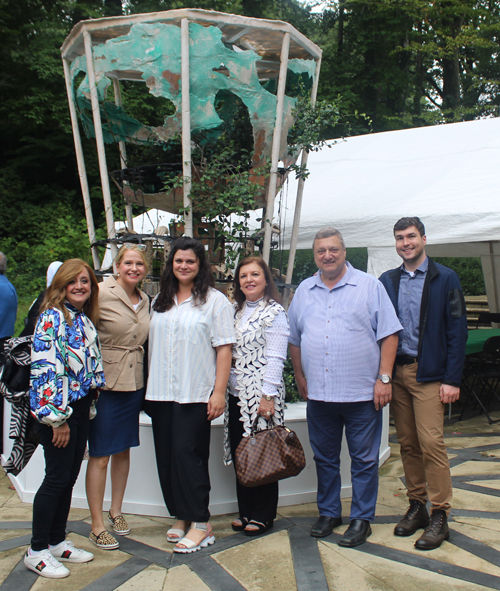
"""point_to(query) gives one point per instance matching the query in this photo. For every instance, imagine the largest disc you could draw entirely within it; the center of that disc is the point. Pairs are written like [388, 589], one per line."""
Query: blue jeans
[363, 429]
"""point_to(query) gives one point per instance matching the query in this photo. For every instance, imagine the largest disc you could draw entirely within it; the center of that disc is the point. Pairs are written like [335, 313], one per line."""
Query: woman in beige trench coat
[123, 329]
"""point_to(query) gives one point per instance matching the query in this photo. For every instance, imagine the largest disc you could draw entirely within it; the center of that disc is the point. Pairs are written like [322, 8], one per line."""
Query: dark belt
[405, 360]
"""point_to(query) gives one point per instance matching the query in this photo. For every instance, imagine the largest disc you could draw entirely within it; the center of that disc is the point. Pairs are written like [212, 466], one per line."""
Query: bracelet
[268, 398]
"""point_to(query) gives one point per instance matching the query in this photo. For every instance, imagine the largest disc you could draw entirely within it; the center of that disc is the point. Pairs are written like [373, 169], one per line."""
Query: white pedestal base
[143, 495]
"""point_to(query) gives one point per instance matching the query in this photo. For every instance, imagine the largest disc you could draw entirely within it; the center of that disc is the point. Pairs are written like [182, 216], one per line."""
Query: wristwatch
[384, 378]
[268, 398]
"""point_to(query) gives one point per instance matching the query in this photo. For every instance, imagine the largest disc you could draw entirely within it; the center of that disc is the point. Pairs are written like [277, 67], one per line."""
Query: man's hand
[382, 394]
[60, 437]
[300, 378]
[301, 384]
[449, 393]
[216, 405]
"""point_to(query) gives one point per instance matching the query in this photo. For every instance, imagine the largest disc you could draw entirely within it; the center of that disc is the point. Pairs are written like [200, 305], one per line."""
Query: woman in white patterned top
[256, 388]
[190, 339]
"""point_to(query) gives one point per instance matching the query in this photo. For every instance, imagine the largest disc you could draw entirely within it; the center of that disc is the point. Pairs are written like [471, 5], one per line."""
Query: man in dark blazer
[430, 305]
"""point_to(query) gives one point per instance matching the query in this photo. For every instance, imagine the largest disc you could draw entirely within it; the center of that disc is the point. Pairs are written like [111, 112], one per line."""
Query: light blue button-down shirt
[338, 331]
[411, 286]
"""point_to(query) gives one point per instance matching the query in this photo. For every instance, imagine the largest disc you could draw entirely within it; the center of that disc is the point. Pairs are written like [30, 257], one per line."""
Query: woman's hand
[60, 436]
[266, 408]
[216, 405]
[217, 401]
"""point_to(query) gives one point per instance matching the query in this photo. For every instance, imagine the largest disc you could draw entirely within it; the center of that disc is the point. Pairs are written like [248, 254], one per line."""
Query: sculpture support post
[80, 160]
[123, 153]
[275, 153]
[186, 129]
[101, 153]
[298, 202]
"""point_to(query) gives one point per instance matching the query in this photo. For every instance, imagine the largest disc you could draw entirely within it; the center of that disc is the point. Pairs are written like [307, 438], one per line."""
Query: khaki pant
[418, 414]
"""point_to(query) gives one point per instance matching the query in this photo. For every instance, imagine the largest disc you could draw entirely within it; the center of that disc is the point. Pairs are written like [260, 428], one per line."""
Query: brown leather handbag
[268, 455]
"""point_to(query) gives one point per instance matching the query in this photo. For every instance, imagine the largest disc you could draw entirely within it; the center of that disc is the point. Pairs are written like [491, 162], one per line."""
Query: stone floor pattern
[287, 558]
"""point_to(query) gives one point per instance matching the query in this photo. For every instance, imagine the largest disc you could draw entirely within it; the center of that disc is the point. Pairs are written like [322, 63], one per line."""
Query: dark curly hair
[169, 283]
[270, 293]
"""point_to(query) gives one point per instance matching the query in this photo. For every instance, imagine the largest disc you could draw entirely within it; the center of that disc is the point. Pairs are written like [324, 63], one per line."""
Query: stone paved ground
[287, 558]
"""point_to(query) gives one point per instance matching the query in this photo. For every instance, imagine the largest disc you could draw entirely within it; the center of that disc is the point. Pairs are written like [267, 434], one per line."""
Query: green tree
[411, 62]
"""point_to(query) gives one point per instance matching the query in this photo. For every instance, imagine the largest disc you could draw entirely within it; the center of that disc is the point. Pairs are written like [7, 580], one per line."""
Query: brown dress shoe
[435, 533]
[416, 517]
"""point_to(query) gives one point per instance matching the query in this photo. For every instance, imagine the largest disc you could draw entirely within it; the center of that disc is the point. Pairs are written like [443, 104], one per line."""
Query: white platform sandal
[190, 546]
[175, 534]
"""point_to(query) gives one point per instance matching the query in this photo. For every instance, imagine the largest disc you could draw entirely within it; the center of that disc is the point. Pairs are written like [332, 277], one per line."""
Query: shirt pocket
[356, 318]
[190, 331]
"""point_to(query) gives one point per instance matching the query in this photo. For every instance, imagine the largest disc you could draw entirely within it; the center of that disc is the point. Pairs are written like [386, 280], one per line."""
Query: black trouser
[62, 465]
[258, 502]
[181, 435]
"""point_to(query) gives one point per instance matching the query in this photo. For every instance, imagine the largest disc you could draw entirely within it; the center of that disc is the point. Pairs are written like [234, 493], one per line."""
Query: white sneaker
[45, 565]
[67, 551]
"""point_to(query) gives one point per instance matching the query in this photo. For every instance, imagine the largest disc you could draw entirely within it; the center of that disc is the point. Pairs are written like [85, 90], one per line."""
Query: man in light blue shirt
[343, 341]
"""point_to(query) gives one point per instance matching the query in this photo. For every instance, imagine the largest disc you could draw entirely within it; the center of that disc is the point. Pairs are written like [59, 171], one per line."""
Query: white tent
[448, 175]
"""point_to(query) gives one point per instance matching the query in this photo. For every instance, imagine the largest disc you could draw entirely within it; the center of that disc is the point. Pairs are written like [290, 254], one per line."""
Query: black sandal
[244, 523]
[262, 528]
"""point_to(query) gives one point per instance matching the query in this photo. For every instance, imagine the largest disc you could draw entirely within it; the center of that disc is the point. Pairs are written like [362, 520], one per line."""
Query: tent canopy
[448, 175]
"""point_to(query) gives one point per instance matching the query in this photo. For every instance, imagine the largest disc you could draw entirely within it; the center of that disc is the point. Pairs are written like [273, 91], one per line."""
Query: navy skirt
[116, 426]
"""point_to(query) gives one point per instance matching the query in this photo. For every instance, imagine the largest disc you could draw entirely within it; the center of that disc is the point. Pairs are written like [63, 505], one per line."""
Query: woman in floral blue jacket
[65, 364]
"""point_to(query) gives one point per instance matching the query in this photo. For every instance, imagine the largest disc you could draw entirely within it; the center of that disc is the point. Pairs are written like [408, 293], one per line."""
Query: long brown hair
[271, 291]
[56, 293]
[169, 283]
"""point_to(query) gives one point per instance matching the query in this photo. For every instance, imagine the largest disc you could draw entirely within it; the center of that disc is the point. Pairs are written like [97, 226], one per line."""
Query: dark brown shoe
[435, 533]
[416, 517]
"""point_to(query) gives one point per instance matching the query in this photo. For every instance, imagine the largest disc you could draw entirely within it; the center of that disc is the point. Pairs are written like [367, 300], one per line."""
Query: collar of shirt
[422, 269]
[187, 300]
[349, 278]
[74, 311]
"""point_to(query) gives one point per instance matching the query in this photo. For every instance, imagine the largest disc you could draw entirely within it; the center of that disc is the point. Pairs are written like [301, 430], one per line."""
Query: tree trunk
[451, 75]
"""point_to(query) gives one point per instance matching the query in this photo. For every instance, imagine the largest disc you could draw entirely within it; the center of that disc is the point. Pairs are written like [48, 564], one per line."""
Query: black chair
[480, 381]
[488, 318]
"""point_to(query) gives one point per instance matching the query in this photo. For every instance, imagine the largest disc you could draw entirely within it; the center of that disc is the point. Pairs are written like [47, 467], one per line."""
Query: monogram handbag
[268, 455]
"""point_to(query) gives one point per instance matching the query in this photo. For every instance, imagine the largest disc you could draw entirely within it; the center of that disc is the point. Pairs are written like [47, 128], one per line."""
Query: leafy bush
[470, 272]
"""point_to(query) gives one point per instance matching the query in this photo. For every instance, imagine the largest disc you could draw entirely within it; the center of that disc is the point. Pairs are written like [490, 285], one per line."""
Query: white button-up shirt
[338, 331]
[182, 358]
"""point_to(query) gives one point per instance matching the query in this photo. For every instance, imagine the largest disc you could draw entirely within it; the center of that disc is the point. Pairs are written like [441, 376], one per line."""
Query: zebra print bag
[14, 387]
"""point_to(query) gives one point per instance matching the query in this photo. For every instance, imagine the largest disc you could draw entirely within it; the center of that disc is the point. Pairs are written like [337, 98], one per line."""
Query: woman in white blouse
[256, 388]
[190, 339]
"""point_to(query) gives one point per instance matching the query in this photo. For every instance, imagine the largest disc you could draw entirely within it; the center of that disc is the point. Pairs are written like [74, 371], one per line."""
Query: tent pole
[298, 203]
[275, 153]
[186, 129]
[123, 153]
[101, 154]
[80, 160]
[491, 279]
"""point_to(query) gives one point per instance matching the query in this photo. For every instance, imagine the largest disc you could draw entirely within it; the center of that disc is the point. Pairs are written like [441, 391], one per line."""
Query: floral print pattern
[65, 363]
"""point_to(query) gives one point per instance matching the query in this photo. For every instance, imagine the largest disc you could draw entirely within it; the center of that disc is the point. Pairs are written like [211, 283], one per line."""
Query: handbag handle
[270, 424]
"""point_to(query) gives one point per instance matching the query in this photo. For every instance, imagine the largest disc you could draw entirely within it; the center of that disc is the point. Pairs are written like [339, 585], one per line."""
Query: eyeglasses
[132, 245]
